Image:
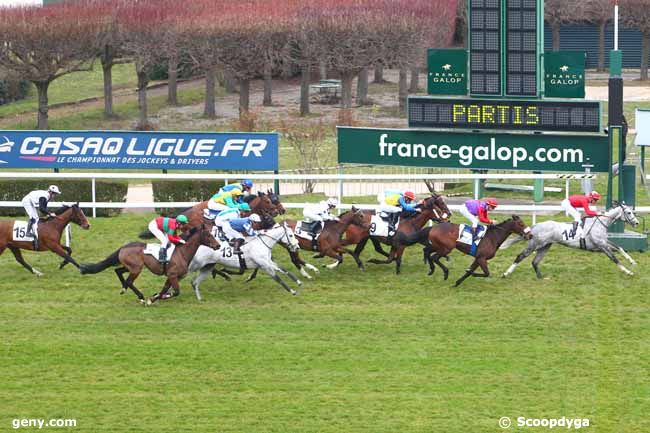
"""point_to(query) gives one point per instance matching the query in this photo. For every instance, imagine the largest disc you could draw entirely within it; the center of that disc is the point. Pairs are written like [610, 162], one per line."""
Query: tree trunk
[244, 98]
[228, 82]
[268, 84]
[305, 78]
[322, 68]
[556, 37]
[42, 86]
[379, 74]
[415, 78]
[209, 110]
[645, 49]
[362, 87]
[143, 80]
[172, 85]
[346, 90]
[403, 89]
[107, 69]
[601, 46]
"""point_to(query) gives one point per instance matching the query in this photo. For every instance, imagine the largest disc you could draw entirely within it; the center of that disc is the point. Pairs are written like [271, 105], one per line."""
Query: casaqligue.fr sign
[138, 150]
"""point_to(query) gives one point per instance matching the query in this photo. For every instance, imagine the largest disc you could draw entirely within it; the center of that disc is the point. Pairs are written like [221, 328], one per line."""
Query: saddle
[465, 236]
[309, 231]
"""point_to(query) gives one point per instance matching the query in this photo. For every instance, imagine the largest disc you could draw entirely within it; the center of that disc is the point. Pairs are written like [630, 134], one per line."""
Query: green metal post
[538, 189]
[276, 184]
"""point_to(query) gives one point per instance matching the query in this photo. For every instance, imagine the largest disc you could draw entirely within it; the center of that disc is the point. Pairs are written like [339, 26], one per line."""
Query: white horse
[256, 253]
[595, 238]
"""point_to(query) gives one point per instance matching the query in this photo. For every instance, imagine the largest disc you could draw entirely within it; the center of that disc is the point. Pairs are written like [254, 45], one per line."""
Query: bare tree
[600, 12]
[636, 14]
[43, 44]
[559, 12]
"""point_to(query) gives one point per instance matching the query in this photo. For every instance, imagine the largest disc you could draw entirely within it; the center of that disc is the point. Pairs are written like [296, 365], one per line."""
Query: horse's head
[205, 236]
[627, 214]
[77, 216]
[262, 204]
[275, 201]
[267, 221]
[357, 218]
[437, 205]
[289, 238]
[520, 227]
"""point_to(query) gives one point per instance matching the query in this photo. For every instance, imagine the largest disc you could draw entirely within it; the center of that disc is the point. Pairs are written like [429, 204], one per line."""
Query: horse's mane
[62, 209]
[191, 232]
[249, 198]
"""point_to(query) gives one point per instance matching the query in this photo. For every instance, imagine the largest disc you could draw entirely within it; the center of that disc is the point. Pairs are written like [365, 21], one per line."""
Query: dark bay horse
[133, 260]
[49, 236]
[432, 208]
[329, 242]
[441, 239]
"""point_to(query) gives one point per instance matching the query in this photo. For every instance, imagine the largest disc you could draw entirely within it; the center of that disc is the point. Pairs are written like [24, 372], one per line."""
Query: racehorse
[256, 255]
[329, 242]
[132, 259]
[262, 204]
[595, 229]
[441, 239]
[49, 236]
[433, 208]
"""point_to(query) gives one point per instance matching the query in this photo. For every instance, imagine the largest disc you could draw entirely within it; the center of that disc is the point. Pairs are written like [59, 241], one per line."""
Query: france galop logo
[446, 67]
[564, 68]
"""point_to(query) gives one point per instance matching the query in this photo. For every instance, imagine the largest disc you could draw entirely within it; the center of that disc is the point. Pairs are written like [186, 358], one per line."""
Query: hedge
[13, 90]
[183, 190]
[72, 191]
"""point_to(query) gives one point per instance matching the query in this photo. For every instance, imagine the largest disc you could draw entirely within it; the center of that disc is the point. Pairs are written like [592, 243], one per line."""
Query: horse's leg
[252, 276]
[539, 256]
[120, 275]
[129, 281]
[59, 250]
[272, 269]
[360, 246]
[390, 259]
[355, 257]
[216, 272]
[290, 275]
[399, 252]
[19, 258]
[65, 261]
[605, 249]
[204, 273]
[482, 262]
[525, 253]
[444, 268]
[339, 260]
[378, 248]
[624, 253]
[468, 272]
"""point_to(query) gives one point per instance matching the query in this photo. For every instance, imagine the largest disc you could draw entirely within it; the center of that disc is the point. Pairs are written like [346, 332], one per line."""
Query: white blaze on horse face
[445, 216]
[527, 230]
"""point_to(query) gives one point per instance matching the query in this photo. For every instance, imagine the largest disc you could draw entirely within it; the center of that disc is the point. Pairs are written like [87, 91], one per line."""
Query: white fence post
[68, 235]
[94, 198]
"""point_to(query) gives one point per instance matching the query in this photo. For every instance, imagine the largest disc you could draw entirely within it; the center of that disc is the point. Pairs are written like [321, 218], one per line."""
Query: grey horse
[595, 238]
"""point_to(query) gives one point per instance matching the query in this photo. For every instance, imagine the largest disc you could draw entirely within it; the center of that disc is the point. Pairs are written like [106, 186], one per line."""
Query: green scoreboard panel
[485, 47]
[521, 115]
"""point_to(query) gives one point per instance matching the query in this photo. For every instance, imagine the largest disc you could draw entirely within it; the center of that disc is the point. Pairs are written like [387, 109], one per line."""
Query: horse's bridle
[286, 234]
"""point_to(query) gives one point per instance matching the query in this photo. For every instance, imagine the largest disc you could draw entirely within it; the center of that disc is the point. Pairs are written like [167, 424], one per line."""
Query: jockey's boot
[30, 227]
[35, 242]
[474, 230]
[236, 244]
[392, 222]
[574, 230]
[162, 254]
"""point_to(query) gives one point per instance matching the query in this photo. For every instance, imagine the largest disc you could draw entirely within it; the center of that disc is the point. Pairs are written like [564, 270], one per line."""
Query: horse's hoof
[37, 272]
[123, 291]
[504, 275]
[294, 293]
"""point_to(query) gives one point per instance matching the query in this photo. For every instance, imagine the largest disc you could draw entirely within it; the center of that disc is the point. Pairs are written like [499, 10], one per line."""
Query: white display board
[642, 126]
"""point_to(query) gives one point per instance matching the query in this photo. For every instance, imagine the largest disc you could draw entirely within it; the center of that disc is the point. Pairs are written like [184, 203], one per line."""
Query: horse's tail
[510, 242]
[146, 235]
[417, 237]
[93, 268]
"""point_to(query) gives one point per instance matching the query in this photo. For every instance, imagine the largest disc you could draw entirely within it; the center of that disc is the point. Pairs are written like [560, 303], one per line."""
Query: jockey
[236, 229]
[571, 205]
[477, 211]
[230, 199]
[245, 186]
[320, 212]
[37, 201]
[393, 203]
[166, 230]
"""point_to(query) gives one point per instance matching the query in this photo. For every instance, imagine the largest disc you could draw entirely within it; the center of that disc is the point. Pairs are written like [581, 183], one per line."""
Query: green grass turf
[355, 352]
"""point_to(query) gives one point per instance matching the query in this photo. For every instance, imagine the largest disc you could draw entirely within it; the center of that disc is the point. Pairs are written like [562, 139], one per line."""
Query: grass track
[353, 353]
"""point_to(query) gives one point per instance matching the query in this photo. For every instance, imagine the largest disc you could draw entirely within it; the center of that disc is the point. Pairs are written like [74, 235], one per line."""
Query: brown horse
[132, 259]
[49, 236]
[329, 242]
[441, 240]
[433, 208]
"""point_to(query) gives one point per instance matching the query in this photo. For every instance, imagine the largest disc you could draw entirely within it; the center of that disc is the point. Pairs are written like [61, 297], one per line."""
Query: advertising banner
[138, 150]
[474, 150]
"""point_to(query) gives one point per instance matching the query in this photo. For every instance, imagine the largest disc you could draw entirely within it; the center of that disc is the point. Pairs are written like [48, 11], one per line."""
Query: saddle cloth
[154, 250]
[20, 232]
[465, 234]
[304, 230]
[379, 227]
